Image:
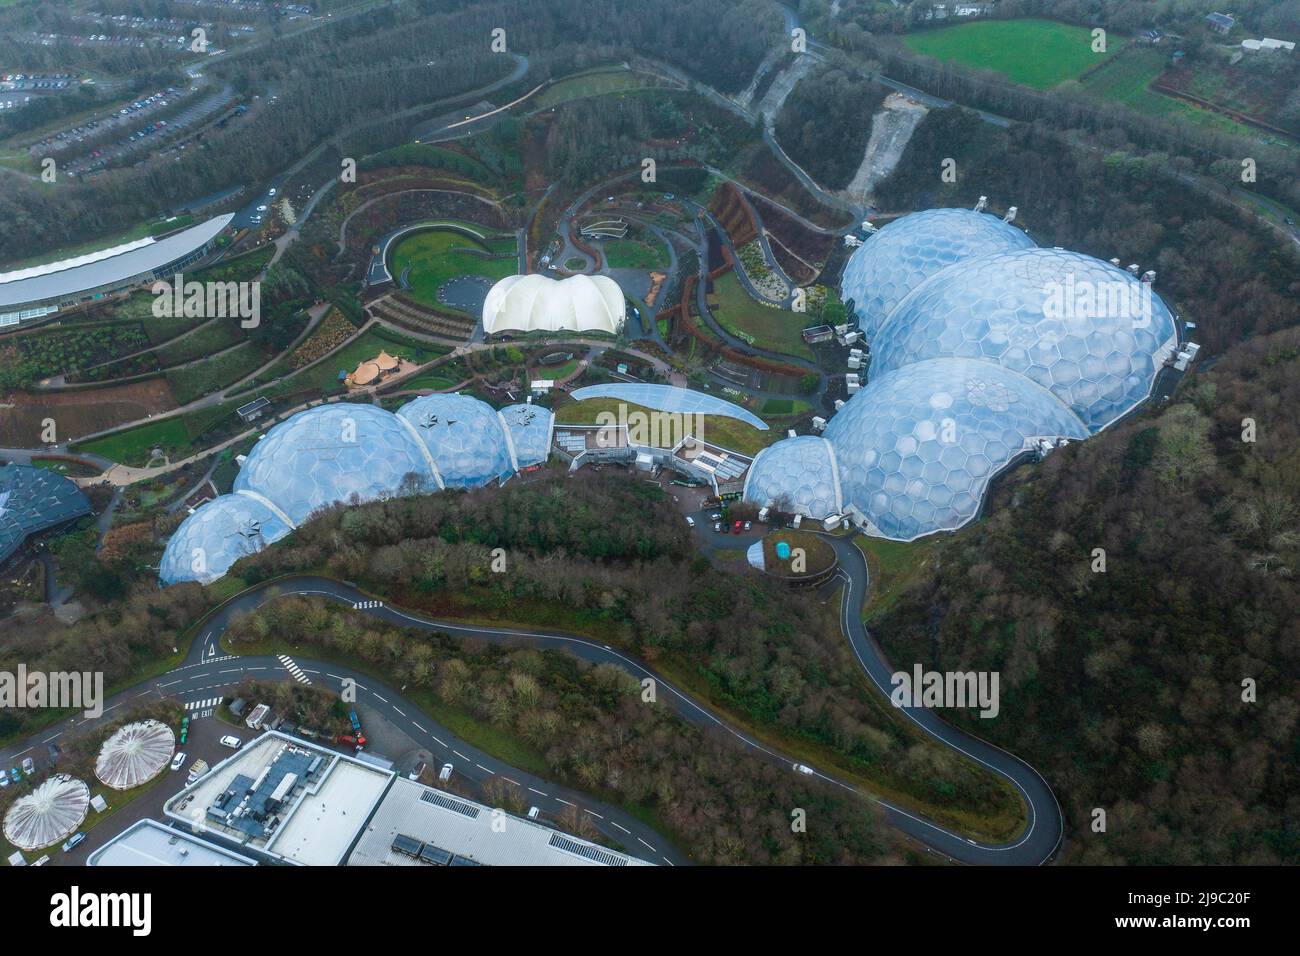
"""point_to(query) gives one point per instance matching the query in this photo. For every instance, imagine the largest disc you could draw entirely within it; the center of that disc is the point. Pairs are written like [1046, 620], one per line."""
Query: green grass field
[1037, 53]
[635, 254]
[212, 338]
[1125, 80]
[132, 447]
[438, 255]
[774, 329]
[719, 429]
[195, 381]
[592, 83]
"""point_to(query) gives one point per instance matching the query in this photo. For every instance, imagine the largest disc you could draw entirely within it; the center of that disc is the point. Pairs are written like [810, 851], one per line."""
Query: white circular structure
[534, 303]
[135, 754]
[50, 813]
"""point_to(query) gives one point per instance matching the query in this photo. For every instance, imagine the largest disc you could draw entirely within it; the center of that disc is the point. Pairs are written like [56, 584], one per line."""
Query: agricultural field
[81, 411]
[1126, 79]
[26, 359]
[1037, 53]
[776, 330]
[437, 255]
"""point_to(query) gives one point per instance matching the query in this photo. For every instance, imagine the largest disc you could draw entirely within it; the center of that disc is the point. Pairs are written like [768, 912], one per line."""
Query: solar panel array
[593, 853]
[438, 800]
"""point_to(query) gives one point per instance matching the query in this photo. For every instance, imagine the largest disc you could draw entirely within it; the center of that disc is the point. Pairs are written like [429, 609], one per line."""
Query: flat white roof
[150, 843]
[321, 821]
[69, 277]
[485, 835]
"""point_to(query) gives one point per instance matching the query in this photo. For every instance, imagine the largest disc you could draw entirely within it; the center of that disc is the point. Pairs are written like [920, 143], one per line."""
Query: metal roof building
[40, 290]
[33, 500]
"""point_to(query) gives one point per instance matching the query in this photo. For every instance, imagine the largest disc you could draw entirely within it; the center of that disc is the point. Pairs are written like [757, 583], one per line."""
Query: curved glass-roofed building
[798, 475]
[1087, 331]
[218, 534]
[916, 451]
[529, 429]
[330, 453]
[983, 347]
[902, 255]
[464, 438]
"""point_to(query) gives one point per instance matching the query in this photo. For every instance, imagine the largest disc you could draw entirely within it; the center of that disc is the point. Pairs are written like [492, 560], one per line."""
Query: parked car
[690, 522]
[230, 741]
[717, 526]
[445, 774]
[716, 516]
[748, 525]
[73, 841]
[29, 767]
[534, 812]
[179, 760]
[736, 527]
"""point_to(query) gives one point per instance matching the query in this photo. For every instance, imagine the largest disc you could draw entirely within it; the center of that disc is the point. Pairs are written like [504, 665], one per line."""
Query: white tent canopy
[50, 813]
[534, 303]
[135, 754]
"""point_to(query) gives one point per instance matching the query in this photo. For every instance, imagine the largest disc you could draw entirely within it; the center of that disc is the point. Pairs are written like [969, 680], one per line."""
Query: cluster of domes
[984, 346]
[346, 453]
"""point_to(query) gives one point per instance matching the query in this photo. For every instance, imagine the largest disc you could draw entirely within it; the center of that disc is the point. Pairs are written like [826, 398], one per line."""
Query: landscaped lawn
[776, 330]
[593, 83]
[217, 335]
[635, 254]
[202, 378]
[719, 429]
[436, 255]
[132, 447]
[1038, 53]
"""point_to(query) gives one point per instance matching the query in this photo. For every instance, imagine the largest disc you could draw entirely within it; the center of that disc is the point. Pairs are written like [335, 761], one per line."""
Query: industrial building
[39, 291]
[283, 800]
[150, 843]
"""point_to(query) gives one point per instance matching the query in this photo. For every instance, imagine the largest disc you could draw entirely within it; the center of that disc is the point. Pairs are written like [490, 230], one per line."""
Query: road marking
[643, 843]
[567, 803]
[535, 790]
[294, 670]
[621, 827]
[508, 780]
[593, 813]
[483, 768]
[460, 755]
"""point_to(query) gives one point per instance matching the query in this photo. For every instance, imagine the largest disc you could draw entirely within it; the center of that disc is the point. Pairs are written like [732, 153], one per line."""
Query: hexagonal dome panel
[464, 436]
[1092, 334]
[903, 254]
[330, 453]
[796, 475]
[217, 535]
[529, 427]
[916, 448]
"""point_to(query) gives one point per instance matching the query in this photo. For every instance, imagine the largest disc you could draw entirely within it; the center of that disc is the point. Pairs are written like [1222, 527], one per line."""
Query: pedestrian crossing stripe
[364, 605]
[294, 670]
[201, 704]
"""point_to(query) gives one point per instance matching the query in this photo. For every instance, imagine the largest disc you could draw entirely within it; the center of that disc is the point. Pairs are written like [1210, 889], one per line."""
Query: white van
[445, 774]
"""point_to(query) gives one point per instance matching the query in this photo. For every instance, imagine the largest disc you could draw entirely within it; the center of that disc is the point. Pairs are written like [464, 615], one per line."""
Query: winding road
[209, 672]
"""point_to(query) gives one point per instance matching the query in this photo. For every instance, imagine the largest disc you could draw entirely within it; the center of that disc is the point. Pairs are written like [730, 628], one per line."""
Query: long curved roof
[1087, 331]
[670, 398]
[330, 453]
[535, 303]
[902, 255]
[70, 277]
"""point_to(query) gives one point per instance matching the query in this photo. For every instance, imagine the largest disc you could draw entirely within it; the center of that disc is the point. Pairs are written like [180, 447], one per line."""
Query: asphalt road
[208, 673]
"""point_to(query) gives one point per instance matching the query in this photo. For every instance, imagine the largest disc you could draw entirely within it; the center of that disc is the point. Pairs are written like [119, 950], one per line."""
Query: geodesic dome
[529, 429]
[465, 438]
[218, 534]
[50, 813]
[328, 454]
[917, 449]
[799, 475]
[135, 754]
[1087, 331]
[902, 255]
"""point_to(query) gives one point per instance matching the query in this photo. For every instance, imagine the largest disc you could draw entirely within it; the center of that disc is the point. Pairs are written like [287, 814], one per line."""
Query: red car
[737, 528]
